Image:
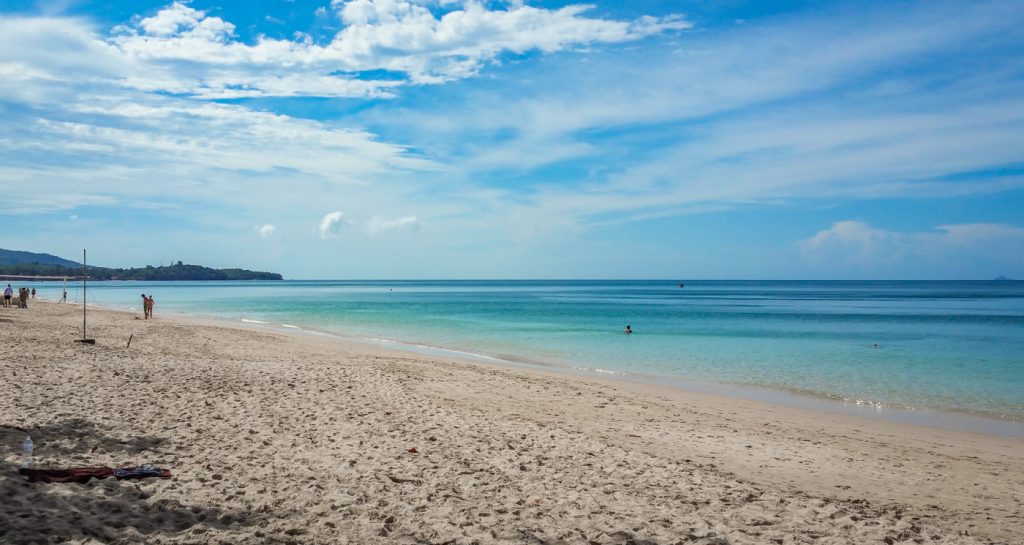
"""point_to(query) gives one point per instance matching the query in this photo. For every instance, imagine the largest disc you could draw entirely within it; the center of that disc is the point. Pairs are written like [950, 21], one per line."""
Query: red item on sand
[411, 450]
[73, 475]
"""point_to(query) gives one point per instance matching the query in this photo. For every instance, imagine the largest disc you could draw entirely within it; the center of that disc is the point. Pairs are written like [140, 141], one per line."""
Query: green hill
[17, 263]
[16, 257]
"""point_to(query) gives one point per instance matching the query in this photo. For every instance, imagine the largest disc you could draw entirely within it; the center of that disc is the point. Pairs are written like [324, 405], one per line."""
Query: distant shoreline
[178, 272]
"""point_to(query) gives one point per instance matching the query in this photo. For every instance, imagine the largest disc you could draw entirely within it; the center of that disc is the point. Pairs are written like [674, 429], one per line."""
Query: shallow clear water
[950, 346]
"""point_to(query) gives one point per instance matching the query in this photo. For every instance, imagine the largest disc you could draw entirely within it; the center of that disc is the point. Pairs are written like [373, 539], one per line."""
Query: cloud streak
[781, 113]
[379, 225]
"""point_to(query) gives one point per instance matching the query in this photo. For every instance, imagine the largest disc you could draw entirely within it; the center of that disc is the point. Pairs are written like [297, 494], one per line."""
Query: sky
[417, 139]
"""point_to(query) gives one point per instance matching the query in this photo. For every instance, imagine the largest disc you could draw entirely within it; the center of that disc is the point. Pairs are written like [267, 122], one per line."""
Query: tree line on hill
[53, 266]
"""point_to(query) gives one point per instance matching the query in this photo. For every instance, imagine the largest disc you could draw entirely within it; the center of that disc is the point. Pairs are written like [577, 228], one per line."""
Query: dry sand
[288, 438]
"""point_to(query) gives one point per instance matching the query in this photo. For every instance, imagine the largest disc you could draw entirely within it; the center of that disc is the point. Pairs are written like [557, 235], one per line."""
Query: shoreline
[815, 402]
[784, 397]
[277, 437]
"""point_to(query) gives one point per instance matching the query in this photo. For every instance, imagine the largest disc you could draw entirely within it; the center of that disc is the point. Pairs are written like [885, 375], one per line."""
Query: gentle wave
[426, 348]
[600, 371]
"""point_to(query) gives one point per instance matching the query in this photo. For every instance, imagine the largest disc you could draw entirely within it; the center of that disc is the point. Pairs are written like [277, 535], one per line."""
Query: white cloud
[330, 224]
[378, 225]
[396, 35]
[855, 242]
[177, 17]
[856, 247]
[266, 230]
[183, 50]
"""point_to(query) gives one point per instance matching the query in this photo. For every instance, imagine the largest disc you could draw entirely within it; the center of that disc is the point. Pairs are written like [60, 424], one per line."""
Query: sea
[940, 353]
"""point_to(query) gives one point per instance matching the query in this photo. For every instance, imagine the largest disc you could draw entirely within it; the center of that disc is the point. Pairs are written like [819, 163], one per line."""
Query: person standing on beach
[145, 307]
[33, 293]
[23, 295]
[8, 293]
[150, 302]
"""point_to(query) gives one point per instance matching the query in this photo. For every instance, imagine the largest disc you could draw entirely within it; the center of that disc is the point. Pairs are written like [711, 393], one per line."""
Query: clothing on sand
[84, 474]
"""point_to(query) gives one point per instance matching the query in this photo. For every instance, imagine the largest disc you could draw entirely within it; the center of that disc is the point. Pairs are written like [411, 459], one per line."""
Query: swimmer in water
[628, 329]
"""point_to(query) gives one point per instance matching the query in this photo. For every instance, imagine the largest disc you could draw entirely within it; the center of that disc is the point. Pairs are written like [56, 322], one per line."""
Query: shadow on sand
[107, 511]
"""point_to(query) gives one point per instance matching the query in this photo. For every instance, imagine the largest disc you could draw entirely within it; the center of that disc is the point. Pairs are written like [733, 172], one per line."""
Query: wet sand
[277, 437]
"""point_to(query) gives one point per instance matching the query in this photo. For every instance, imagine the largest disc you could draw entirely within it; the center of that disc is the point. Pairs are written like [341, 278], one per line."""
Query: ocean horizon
[885, 346]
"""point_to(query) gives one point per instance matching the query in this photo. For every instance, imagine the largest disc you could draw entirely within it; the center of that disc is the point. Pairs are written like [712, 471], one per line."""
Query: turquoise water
[946, 346]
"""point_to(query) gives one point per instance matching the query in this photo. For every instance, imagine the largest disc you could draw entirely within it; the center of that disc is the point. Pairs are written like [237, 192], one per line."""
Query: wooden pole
[85, 275]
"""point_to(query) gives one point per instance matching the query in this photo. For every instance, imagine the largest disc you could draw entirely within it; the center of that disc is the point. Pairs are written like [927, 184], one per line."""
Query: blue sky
[519, 139]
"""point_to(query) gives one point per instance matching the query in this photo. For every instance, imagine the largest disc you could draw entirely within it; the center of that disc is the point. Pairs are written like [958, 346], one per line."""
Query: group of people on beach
[24, 294]
[147, 306]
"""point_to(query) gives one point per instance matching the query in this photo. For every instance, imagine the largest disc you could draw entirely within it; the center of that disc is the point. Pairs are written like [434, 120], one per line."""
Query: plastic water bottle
[26, 452]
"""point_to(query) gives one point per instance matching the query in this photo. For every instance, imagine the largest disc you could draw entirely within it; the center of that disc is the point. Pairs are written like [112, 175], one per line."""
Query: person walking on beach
[145, 307]
[8, 293]
[33, 293]
[150, 304]
[23, 296]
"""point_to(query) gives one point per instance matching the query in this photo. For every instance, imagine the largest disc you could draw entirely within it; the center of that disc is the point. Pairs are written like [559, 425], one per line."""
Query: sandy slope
[277, 438]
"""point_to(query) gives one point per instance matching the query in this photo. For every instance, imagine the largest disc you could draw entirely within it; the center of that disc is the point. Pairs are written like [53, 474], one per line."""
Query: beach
[286, 437]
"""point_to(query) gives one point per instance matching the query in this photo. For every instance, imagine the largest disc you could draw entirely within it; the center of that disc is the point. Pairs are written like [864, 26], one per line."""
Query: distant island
[19, 263]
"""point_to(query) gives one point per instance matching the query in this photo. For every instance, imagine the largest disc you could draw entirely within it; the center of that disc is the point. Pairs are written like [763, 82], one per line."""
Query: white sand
[287, 438]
